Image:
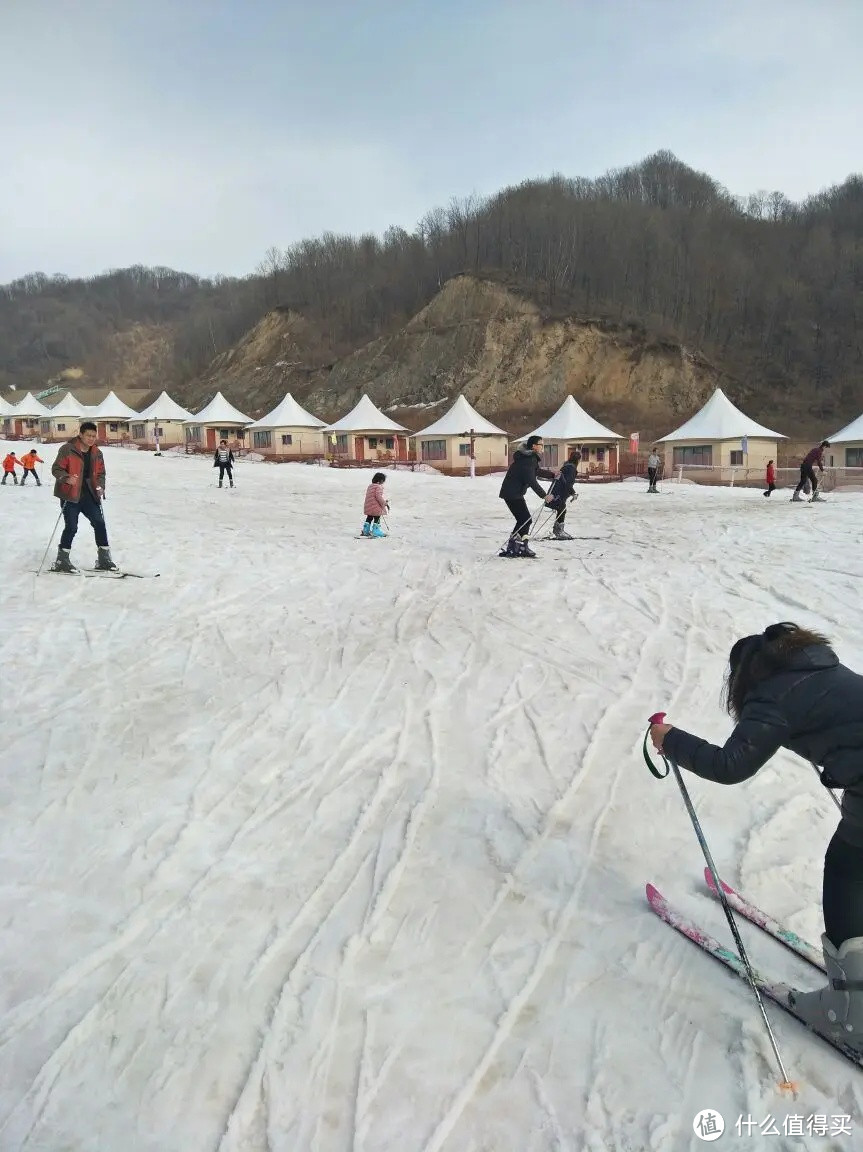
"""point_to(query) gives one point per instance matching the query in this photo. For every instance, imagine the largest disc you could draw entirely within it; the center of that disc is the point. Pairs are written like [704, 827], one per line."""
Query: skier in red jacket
[807, 471]
[771, 478]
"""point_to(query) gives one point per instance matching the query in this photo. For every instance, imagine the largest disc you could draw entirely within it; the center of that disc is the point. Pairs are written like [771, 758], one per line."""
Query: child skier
[785, 688]
[79, 471]
[560, 492]
[28, 462]
[375, 506]
[807, 471]
[770, 478]
[223, 459]
[9, 465]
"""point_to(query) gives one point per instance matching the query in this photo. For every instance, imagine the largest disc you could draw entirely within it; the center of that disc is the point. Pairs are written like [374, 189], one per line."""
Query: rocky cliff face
[510, 360]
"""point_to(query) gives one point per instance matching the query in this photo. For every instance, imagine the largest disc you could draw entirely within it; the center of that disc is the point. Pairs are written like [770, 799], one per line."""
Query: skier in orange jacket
[28, 462]
[9, 465]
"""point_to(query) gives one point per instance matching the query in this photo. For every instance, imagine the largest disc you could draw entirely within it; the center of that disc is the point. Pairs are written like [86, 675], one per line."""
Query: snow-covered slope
[324, 843]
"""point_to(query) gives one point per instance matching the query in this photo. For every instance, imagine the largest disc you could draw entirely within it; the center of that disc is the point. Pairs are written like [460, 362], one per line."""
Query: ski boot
[796, 498]
[104, 563]
[837, 1010]
[816, 495]
[221, 485]
[524, 549]
[511, 549]
[560, 533]
[378, 532]
[367, 529]
[63, 563]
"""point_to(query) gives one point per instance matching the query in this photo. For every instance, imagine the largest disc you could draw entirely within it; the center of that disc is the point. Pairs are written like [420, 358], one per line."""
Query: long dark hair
[757, 658]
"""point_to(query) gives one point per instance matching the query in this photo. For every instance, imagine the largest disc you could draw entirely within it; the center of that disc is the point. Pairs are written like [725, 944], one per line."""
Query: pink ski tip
[654, 896]
[726, 888]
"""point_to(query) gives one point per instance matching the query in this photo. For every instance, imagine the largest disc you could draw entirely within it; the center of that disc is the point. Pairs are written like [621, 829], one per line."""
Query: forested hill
[767, 291]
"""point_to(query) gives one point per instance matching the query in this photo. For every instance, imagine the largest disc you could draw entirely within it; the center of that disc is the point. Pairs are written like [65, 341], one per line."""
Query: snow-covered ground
[318, 843]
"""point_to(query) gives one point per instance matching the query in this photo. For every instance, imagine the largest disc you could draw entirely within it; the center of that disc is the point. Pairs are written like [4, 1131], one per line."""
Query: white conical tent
[288, 414]
[112, 408]
[30, 407]
[720, 420]
[461, 420]
[571, 422]
[6, 409]
[364, 417]
[164, 408]
[852, 432]
[70, 408]
[218, 412]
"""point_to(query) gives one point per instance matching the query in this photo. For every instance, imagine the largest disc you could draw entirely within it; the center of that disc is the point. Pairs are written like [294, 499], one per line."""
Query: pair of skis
[103, 574]
[773, 990]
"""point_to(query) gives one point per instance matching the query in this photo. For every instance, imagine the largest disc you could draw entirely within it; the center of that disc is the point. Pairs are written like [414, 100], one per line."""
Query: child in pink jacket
[375, 506]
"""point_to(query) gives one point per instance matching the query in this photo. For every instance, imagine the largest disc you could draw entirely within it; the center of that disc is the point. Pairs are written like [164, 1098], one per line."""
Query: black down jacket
[564, 485]
[522, 474]
[814, 708]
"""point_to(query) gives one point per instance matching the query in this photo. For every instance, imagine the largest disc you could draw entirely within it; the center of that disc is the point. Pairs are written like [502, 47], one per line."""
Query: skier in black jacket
[786, 689]
[521, 475]
[561, 491]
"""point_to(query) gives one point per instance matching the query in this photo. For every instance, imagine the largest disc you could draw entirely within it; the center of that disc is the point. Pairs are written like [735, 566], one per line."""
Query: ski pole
[670, 765]
[830, 790]
[50, 541]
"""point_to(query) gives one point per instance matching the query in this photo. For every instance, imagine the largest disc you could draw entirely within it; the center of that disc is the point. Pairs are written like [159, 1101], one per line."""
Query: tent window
[193, 433]
[287, 439]
[263, 439]
[550, 455]
[61, 427]
[373, 441]
[737, 458]
[854, 457]
[389, 443]
[699, 454]
[433, 449]
[464, 449]
[138, 432]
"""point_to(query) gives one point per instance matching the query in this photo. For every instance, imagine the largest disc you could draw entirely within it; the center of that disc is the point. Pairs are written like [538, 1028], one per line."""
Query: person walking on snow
[79, 472]
[374, 506]
[223, 459]
[28, 462]
[807, 471]
[521, 475]
[770, 478]
[561, 491]
[786, 688]
[652, 470]
[10, 462]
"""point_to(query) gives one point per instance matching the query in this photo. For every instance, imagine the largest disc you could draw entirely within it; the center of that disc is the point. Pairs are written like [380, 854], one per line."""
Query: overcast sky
[198, 133]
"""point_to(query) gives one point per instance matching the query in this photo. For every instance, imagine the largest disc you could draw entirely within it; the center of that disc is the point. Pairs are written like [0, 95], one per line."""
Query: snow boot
[104, 563]
[367, 530]
[511, 549]
[796, 498]
[816, 495]
[837, 1010]
[220, 484]
[524, 549]
[560, 533]
[378, 532]
[63, 563]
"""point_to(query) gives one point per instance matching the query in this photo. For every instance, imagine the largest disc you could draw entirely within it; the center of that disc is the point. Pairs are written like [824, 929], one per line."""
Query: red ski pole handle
[657, 718]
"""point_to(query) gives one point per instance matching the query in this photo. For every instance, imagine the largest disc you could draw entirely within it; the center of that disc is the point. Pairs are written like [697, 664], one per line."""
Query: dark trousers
[842, 892]
[373, 519]
[521, 512]
[6, 475]
[651, 476]
[807, 472]
[92, 510]
[560, 514]
[31, 472]
[223, 468]
[771, 487]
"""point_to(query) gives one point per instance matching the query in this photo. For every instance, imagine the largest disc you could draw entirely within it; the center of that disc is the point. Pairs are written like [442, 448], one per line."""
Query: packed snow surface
[321, 843]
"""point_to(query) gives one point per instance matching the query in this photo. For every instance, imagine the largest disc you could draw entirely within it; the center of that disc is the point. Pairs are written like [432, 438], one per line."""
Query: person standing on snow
[561, 491]
[652, 470]
[770, 478]
[223, 459]
[79, 472]
[807, 471]
[785, 688]
[375, 506]
[10, 463]
[521, 475]
[28, 462]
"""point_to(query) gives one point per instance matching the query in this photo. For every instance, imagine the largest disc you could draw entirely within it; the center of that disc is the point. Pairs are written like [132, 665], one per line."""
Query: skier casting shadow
[521, 475]
[785, 688]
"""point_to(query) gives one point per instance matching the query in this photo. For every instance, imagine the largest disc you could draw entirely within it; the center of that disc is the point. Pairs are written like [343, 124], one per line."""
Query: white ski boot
[837, 1010]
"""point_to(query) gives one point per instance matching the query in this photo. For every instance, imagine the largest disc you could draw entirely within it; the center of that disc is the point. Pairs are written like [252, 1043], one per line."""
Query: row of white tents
[719, 436]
